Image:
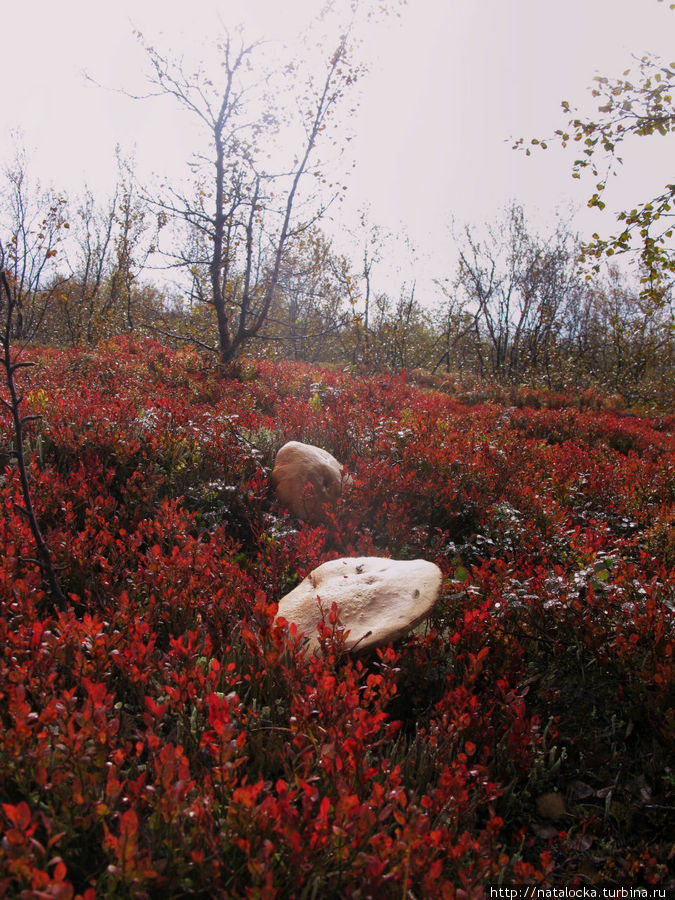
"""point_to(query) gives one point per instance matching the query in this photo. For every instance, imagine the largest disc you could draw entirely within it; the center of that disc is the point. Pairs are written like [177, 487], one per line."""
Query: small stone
[378, 600]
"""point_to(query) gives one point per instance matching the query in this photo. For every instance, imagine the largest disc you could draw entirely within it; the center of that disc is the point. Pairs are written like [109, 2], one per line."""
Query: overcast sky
[450, 84]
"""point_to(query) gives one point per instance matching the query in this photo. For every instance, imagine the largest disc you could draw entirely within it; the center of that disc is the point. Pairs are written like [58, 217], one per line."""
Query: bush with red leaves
[164, 737]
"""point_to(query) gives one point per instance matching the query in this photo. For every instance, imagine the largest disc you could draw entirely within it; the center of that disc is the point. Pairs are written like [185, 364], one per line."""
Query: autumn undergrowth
[163, 737]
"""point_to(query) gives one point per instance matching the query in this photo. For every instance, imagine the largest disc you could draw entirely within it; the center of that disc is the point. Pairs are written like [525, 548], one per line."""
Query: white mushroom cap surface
[306, 478]
[378, 599]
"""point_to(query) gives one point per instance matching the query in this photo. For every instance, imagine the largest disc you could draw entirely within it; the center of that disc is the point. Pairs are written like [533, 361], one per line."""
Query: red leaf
[18, 815]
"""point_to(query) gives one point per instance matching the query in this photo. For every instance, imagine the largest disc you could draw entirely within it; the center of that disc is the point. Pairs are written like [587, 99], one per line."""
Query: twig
[45, 558]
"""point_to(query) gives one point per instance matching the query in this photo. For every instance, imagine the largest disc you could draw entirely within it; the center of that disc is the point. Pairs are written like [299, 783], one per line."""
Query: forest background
[266, 251]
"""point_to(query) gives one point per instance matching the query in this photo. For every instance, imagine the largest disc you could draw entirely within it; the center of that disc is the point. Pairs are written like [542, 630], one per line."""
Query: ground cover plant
[163, 737]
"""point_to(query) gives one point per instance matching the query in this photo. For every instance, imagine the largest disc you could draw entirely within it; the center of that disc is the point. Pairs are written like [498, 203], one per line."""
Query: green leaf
[461, 574]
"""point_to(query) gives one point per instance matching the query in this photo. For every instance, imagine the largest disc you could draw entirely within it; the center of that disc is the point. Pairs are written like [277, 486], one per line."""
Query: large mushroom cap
[306, 478]
[378, 600]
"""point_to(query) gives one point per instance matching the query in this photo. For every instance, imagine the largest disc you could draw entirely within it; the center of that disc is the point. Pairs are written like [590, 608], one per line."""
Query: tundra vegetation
[162, 732]
[161, 735]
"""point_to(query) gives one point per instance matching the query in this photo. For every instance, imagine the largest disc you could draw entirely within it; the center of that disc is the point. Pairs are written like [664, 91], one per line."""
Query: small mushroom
[378, 600]
[306, 479]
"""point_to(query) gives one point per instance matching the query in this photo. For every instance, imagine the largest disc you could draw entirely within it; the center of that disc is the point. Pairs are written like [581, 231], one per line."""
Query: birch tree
[241, 218]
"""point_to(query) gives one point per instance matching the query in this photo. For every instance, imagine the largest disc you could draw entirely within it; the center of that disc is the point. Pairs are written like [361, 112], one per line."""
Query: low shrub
[164, 737]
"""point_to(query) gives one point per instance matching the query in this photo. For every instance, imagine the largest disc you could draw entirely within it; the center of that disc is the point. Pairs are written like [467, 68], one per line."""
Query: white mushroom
[306, 478]
[378, 599]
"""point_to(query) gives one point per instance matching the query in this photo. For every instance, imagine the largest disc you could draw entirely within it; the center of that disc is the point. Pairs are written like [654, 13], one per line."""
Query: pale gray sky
[450, 83]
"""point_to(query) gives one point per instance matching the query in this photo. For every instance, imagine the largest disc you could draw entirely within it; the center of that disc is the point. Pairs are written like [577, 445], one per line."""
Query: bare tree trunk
[238, 244]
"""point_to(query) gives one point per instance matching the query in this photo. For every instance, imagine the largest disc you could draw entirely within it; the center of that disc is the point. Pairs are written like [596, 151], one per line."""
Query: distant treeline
[517, 309]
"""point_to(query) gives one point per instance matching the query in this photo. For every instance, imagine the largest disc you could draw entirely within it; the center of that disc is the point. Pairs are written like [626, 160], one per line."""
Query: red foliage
[165, 737]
